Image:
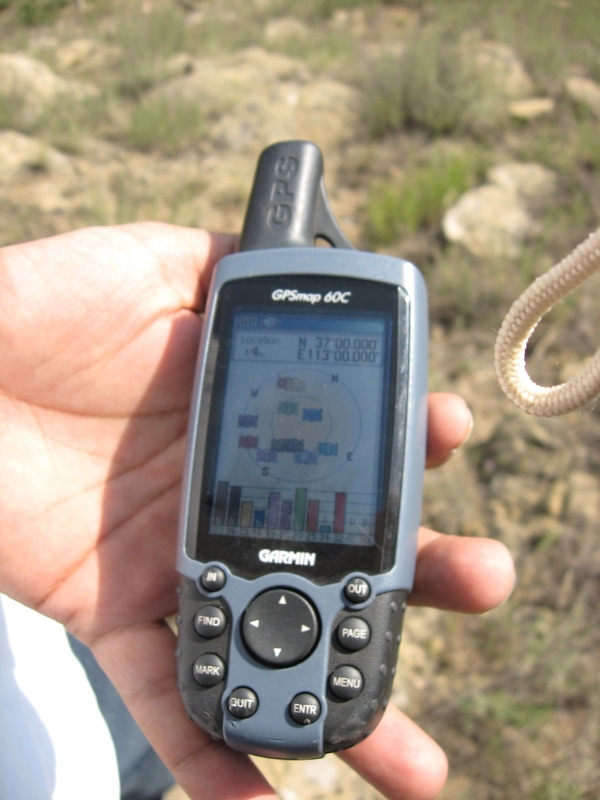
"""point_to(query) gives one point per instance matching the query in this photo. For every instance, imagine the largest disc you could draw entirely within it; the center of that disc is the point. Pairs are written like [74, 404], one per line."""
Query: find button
[242, 702]
[305, 708]
[210, 622]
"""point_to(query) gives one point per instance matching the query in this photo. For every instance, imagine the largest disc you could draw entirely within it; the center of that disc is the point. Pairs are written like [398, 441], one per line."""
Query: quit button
[242, 702]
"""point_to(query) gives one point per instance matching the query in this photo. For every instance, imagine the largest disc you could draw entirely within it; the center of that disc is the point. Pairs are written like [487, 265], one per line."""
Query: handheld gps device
[303, 476]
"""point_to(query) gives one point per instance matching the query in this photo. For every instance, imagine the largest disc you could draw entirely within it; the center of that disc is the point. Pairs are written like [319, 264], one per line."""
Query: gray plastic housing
[288, 205]
[271, 732]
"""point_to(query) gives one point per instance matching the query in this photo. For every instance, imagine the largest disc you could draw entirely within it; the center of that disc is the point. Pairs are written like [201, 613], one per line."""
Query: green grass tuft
[422, 197]
[147, 40]
[167, 125]
[433, 87]
[39, 12]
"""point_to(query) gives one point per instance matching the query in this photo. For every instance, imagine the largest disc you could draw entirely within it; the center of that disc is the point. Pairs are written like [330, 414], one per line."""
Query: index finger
[187, 256]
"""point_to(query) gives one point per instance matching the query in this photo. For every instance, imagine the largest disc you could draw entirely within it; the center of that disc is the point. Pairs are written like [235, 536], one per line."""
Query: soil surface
[512, 696]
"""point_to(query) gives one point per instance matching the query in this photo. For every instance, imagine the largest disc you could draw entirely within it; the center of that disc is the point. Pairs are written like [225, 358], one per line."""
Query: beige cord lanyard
[519, 324]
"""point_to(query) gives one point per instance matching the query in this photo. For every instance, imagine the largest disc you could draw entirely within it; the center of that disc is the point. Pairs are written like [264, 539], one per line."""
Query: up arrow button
[280, 627]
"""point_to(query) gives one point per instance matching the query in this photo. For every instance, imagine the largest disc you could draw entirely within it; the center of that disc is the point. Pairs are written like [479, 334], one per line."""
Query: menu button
[346, 682]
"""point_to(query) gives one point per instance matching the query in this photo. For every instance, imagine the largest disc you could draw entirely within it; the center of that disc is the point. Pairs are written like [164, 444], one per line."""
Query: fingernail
[470, 427]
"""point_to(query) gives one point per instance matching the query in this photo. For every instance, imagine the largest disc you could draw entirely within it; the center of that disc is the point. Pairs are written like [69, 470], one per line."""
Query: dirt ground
[512, 696]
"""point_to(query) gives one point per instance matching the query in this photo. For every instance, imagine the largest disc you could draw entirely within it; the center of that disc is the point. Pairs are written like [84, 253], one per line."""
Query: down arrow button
[281, 627]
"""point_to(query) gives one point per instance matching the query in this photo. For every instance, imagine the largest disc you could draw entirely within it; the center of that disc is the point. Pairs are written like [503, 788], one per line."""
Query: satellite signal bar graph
[293, 514]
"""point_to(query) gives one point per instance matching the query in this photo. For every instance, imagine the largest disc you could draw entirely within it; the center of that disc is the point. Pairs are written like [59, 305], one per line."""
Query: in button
[213, 579]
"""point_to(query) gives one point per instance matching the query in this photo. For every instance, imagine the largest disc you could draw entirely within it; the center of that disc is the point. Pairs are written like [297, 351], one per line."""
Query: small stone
[80, 53]
[497, 219]
[19, 152]
[533, 183]
[556, 499]
[531, 108]
[584, 496]
[586, 92]
[500, 65]
[32, 87]
[490, 222]
[179, 64]
[286, 29]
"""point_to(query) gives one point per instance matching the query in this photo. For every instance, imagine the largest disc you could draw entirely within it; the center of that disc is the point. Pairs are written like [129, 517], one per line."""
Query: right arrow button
[288, 630]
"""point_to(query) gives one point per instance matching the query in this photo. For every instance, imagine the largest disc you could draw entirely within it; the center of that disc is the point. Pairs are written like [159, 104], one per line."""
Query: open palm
[99, 332]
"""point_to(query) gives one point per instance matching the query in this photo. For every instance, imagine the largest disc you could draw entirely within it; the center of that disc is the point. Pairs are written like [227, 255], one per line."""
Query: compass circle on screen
[307, 423]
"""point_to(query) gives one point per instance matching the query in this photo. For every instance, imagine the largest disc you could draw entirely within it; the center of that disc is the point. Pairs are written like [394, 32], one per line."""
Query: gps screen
[299, 456]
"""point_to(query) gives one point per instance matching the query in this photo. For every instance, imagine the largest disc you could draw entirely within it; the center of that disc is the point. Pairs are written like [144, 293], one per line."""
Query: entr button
[210, 622]
[213, 579]
[357, 590]
[305, 708]
[346, 682]
[280, 627]
[242, 702]
[209, 670]
[353, 633]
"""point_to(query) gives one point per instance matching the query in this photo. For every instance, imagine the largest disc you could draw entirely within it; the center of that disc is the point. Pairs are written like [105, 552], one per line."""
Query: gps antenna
[288, 205]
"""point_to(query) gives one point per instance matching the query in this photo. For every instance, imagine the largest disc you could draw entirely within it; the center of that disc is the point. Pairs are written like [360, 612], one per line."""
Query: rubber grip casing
[347, 722]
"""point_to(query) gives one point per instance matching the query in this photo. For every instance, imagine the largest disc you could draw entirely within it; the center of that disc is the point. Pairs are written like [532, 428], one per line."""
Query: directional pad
[280, 627]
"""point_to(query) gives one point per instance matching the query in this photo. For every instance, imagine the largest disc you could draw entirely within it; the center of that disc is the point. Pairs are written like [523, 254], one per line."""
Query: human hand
[99, 332]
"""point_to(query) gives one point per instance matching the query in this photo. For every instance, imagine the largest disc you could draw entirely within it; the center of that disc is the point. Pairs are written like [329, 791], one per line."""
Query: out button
[357, 590]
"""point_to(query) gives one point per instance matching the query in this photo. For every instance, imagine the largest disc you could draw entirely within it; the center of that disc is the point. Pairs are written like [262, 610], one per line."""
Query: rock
[258, 97]
[85, 53]
[555, 501]
[31, 87]
[33, 174]
[22, 153]
[354, 20]
[285, 29]
[584, 496]
[220, 84]
[531, 108]
[179, 64]
[500, 65]
[497, 219]
[533, 183]
[586, 92]
[489, 221]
